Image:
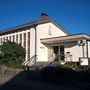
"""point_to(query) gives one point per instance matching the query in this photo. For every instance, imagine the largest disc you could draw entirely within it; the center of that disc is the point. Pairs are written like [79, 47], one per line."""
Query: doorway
[59, 53]
[62, 55]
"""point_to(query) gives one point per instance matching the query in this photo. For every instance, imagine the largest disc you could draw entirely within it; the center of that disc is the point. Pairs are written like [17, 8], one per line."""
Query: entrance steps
[35, 70]
[39, 65]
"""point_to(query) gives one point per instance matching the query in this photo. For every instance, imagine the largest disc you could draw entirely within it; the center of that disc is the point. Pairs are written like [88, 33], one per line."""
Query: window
[28, 43]
[1, 40]
[21, 39]
[17, 38]
[13, 38]
[10, 38]
[24, 40]
[4, 39]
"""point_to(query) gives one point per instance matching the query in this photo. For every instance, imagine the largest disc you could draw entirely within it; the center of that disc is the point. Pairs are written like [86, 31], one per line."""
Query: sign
[84, 61]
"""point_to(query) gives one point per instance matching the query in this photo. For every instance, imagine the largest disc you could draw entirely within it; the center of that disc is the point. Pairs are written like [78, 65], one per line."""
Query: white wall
[32, 42]
[75, 50]
[43, 32]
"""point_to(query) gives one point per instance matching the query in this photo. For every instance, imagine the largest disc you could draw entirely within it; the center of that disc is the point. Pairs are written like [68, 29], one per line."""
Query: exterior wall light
[83, 60]
[81, 42]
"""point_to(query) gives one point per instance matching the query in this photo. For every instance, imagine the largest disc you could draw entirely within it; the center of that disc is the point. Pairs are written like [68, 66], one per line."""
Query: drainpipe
[35, 49]
[83, 50]
[87, 48]
[35, 42]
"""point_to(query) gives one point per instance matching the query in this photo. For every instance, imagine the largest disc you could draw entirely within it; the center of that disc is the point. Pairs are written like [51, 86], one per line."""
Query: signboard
[84, 61]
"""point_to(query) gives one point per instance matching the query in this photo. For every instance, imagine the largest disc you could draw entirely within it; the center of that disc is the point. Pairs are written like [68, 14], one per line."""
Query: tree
[12, 54]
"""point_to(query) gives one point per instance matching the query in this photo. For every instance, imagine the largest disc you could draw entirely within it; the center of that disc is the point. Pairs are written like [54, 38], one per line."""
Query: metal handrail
[65, 56]
[32, 59]
[68, 56]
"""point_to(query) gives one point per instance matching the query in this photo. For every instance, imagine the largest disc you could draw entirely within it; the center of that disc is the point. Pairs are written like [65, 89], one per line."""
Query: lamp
[82, 43]
[78, 42]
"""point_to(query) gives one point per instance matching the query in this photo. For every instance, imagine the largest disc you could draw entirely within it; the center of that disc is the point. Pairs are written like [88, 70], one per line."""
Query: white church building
[47, 41]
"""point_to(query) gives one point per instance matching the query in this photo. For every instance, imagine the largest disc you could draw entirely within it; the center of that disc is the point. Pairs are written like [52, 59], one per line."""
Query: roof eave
[33, 24]
[63, 39]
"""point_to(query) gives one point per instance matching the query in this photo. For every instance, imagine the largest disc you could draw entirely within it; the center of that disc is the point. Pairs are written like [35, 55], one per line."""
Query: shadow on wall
[70, 45]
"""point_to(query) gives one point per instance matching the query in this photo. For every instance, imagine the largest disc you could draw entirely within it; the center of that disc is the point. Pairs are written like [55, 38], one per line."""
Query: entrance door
[62, 53]
[59, 53]
[56, 49]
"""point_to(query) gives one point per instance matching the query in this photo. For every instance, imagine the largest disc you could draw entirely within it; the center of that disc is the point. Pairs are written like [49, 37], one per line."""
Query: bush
[12, 54]
[56, 73]
[65, 75]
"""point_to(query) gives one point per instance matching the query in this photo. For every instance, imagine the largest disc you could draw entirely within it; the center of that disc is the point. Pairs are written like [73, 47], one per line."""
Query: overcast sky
[73, 15]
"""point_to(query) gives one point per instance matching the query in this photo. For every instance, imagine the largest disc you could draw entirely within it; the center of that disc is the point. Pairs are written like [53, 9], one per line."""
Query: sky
[73, 15]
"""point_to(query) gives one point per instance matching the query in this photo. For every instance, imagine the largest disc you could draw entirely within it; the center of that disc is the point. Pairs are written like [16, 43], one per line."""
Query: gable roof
[33, 24]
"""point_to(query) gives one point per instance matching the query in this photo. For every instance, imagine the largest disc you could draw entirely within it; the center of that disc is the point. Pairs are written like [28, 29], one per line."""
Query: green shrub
[12, 54]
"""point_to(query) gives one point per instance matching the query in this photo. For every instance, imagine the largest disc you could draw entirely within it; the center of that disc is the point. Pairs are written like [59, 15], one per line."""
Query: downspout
[87, 48]
[35, 42]
[87, 52]
[83, 50]
[35, 50]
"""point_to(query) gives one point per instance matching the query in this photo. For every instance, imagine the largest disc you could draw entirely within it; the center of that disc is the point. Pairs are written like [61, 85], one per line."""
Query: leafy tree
[12, 54]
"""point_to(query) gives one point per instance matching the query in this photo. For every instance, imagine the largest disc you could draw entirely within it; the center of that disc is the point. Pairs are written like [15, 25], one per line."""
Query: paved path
[34, 85]
[20, 82]
[5, 78]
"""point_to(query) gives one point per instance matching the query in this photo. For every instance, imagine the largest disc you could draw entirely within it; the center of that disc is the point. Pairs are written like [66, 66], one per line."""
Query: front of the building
[70, 48]
[46, 41]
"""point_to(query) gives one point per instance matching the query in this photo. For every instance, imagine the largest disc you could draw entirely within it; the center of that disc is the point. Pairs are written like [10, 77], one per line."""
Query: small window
[17, 38]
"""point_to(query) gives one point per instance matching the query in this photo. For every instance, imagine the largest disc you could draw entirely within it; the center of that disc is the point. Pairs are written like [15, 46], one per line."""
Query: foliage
[66, 65]
[65, 75]
[12, 54]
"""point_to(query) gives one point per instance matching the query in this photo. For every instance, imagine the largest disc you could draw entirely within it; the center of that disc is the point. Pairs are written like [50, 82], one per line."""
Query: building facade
[46, 41]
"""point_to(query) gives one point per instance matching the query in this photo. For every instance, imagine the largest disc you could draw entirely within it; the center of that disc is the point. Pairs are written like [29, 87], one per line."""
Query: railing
[30, 62]
[68, 57]
[63, 57]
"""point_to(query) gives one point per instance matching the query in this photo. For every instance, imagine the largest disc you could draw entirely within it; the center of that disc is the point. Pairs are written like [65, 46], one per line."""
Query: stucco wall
[75, 50]
[32, 42]
[46, 31]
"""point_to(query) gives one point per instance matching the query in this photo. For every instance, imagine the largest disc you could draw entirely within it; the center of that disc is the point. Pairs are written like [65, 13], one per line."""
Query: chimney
[44, 16]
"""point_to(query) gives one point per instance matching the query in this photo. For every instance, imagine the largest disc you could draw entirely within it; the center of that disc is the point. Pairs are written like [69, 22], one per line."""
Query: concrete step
[35, 69]
[39, 65]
